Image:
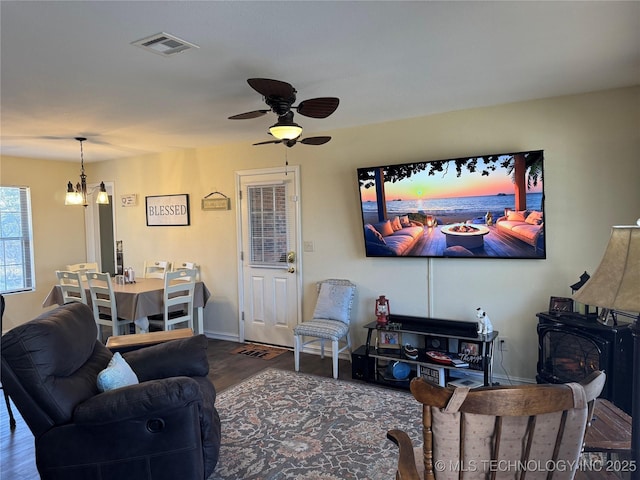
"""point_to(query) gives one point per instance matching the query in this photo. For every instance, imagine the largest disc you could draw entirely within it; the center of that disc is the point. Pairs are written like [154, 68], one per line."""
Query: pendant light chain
[286, 163]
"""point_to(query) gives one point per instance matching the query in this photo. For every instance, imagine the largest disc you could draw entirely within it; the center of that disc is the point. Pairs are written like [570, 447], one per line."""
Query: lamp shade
[102, 197]
[615, 285]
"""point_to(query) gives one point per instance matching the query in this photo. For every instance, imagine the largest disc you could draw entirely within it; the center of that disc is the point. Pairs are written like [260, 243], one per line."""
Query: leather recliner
[165, 427]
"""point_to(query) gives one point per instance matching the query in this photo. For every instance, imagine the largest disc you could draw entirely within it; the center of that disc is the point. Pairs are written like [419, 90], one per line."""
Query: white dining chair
[156, 268]
[179, 287]
[83, 268]
[103, 300]
[330, 321]
[71, 286]
[177, 266]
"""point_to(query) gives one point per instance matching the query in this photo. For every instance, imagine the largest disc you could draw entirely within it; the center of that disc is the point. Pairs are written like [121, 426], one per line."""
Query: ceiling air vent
[164, 44]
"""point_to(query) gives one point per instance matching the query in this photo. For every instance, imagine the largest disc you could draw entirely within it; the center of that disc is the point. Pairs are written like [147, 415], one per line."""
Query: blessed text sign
[167, 210]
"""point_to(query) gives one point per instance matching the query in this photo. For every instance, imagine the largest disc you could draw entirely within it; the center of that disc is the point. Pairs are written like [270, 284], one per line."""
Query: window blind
[16, 240]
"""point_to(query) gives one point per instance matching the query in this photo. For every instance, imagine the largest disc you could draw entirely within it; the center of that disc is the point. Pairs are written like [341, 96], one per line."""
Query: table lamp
[615, 287]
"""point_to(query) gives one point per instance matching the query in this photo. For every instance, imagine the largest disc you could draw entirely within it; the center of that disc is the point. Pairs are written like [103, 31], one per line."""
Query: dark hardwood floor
[17, 457]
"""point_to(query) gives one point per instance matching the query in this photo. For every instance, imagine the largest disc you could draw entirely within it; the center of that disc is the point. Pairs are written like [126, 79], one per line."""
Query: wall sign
[167, 210]
[223, 203]
[130, 200]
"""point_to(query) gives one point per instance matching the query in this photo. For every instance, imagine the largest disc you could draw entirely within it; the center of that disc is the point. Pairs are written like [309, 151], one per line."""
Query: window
[16, 244]
[269, 225]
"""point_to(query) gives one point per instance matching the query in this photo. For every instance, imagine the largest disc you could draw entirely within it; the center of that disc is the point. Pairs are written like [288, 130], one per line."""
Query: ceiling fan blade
[318, 107]
[248, 115]
[315, 140]
[272, 88]
[267, 142]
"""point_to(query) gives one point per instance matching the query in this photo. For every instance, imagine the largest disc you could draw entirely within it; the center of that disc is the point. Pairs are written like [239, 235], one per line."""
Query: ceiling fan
[280, 97]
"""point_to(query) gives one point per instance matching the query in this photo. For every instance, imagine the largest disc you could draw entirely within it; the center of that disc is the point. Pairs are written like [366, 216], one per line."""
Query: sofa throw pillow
[117, 374]
[395, 224]
[371, 235]
[404, 221]
[516, 216]
[534, 218]
[333, 302]
[384, 228]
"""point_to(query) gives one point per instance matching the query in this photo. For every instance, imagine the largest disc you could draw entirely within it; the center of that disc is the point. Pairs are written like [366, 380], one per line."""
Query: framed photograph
[471, 353]
[389, 339]
[167, 210]
[560, 305]
[469, 348]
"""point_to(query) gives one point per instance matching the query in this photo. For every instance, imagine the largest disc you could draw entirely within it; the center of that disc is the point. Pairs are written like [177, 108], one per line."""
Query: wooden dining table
[137, 301]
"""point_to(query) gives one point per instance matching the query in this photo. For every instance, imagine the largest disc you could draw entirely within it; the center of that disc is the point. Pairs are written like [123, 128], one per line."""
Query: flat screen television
[489, 206]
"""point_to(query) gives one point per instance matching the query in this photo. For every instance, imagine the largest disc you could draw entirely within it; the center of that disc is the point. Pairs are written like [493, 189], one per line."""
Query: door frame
[239, 238]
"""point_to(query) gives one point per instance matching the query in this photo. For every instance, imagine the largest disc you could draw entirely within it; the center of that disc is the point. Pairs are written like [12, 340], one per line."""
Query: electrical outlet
[503, 344]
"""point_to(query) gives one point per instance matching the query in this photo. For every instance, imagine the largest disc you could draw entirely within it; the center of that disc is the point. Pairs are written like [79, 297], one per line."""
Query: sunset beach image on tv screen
[489, 206]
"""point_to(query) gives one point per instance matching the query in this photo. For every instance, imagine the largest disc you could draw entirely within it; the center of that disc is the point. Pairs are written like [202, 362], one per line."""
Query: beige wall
[58, 231]
[591, 145]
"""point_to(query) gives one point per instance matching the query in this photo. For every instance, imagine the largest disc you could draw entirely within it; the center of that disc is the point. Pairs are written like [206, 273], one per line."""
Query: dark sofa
[164, 427]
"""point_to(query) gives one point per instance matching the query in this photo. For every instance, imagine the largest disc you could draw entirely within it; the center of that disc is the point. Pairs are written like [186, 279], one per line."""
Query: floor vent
[164, 44]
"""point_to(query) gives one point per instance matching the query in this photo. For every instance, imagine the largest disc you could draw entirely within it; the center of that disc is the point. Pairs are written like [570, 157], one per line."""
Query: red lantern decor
[382, 310]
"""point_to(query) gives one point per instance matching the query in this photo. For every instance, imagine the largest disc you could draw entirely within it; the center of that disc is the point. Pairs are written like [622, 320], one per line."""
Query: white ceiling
[68, 68]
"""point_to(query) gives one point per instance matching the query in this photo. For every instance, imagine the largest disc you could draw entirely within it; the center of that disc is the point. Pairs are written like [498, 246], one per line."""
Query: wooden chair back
[187, 266]
[490, 432]
[179, 288]
[156, 268]
[83, 268]
[103, 302]
[71, 286]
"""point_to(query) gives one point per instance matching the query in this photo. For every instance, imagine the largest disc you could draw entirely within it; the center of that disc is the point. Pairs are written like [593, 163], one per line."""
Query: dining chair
[83, 268]
[330, 321]
[71, 286]
[103, 301]
[156, 268]
[177, 302]
[187, 266]
[501, 430]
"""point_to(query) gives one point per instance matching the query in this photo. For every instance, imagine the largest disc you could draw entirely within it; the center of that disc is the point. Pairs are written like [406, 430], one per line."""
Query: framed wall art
[167, 210]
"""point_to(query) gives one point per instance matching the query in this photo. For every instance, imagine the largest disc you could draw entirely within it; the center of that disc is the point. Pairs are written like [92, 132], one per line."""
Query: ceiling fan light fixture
[285, 131]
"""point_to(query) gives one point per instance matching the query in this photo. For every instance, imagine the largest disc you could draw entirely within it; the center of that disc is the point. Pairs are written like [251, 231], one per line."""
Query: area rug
[264, 352]
[281, 425]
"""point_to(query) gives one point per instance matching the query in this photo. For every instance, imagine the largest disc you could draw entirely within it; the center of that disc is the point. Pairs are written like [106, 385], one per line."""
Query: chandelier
[78, 195]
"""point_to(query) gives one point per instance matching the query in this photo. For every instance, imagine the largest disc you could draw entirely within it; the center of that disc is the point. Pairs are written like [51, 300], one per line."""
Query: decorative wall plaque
[167, 210]
[223, 203]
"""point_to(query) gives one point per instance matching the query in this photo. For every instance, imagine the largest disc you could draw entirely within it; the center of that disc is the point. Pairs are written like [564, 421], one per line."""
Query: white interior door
[269, 238]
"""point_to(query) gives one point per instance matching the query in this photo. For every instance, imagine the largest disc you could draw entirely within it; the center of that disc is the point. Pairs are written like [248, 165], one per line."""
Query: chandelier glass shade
[78, 195]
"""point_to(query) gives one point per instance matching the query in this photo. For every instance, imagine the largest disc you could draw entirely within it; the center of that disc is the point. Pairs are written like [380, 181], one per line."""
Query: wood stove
[571, 346]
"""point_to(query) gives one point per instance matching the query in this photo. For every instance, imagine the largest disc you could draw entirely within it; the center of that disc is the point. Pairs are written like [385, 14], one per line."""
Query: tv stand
[456, 338]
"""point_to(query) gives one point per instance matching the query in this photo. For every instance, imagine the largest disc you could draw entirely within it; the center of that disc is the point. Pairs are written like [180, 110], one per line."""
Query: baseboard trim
[222, 336]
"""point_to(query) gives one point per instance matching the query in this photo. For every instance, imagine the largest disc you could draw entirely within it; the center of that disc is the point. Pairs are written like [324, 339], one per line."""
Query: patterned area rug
[280, 424]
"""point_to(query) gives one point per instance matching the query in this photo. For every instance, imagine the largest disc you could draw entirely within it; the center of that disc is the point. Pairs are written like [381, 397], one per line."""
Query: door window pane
[268, 224]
